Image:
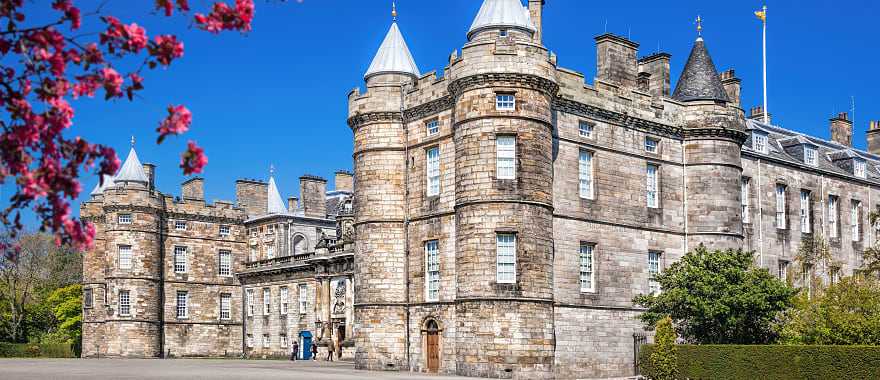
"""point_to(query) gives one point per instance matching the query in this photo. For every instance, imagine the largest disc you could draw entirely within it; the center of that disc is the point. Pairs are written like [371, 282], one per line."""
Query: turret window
[180, 225]
[859, 168]
[124, 303]
[433, 171]
[505, 102]
[124, 218]
[124, 257]
[505, 157]
[506, 259]
[88, 298]
[810, 157]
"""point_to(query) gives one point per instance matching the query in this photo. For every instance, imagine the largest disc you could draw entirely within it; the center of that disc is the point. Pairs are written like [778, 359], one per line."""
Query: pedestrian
[294, 352]
[330, 351]
[314, 352]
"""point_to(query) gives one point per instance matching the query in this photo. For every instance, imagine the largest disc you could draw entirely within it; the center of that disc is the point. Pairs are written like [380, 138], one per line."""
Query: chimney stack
[874, 137]
[292, 204]
[193, 189]
[657, 65]
[536, 12]
[757, 113]
[150, 171]
[313, 191]
[732, 86]
[616, 60]
[841, 129]
[253, 196]
[344, 181]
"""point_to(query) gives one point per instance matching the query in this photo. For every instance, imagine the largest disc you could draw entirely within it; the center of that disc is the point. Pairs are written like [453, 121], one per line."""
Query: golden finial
[699, 26]
[394, 11]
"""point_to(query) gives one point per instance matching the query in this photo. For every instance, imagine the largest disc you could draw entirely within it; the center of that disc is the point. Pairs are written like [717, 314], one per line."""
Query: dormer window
[859, 168]
[810, 157]
[759, 142]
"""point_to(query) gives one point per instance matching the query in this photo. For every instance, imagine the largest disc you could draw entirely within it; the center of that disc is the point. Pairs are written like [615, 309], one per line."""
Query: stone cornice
[173, 215]
[430, 108]
[734, 135]
[360, 119]
[504, 79]
[577, 108]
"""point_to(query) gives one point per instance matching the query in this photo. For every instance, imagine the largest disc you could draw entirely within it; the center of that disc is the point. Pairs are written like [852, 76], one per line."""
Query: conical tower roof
[276, 204]
[132, 170]
[107, 183]
[699, 80]
[393, 56]
[502, 14]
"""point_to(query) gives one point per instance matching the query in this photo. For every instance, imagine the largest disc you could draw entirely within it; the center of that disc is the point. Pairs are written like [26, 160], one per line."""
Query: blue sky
[277, 95]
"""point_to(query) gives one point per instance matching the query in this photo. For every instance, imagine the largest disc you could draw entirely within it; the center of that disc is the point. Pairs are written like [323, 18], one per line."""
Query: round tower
[379, 168]
[133, 255]
[714, 130]
[94, 281]
[503, 86]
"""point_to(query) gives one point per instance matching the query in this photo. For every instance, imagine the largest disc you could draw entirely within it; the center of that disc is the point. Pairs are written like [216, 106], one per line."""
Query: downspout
[760, 217]
[405, 219]
[684, 204]
[244, 307]
[161, 224]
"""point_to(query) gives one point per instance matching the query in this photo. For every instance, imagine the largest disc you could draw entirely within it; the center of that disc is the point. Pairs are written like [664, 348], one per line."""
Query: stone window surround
[806, 211]
[657, 182]
[745, 186]
[590, 128]
[656, 145]
[284, 300]
[591, 175]
[428, 271]
[432, 126]
[833, 210]
[182, 304]
[224, 230]
[593, 268]
[660, 258]
[429, 171]
[180, 225]
[503, 103]
[124, 300]
[88, 298]
[498, 247]
[124, 218]
[855, 220]
[249, 300]
[180, 262]
[227, 254]
[781, 205]
[227, 313]
[499, 135]
[303, 298]
[125, 262]
[267, 301]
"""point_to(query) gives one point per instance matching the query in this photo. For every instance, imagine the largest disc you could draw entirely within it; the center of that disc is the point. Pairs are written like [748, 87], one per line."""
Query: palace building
[507, 211]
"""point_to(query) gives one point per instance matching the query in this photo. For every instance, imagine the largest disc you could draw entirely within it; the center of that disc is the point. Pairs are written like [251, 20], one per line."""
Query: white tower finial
[132, 141]
[394, 11]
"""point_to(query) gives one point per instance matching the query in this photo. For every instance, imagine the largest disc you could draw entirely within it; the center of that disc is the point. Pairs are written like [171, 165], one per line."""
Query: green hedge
[28, 350]
[770, 362]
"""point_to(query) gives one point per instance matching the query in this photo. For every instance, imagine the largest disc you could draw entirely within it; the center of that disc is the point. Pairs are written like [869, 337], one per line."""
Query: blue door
[306, 345]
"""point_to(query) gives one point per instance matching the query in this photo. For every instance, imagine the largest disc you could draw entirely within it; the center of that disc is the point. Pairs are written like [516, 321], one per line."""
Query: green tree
[664, 357]
[718, 297]
[66, 306]
[845, 313]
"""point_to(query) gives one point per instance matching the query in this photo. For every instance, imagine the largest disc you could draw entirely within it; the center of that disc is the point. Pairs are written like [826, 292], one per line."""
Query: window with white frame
[250, 302]
[744, 198]
[225, 230]
[270, 252]
[505, 157]
[303, 298]
[182, 304]
[854, 220]
[585, 174]
[432, 270]
[124, 257]
[179, 259]
[653, 271]
[651, 144]
[266, 340]
[810, 157]
[505, 102]
[432, 127]
[832, 216]
[783, 270]
[585, 129]
[180, 225]
[250, 341]
[859, 168]
[267, 301]
[432, 171]
[123, 218]
[759, 142]
[285, 300]
[253, 255]
[805, 211]
[587, 274]
[652, 186]
[88, 298]
[124, 303]
[282, 340]
[225, 306]
[780, 206]
[225, 263]
[505, 272]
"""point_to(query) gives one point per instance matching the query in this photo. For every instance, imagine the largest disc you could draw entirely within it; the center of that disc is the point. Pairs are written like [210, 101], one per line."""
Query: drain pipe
[405, 220]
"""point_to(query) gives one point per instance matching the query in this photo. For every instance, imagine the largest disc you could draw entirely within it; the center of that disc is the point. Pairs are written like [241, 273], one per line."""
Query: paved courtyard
[213, 369]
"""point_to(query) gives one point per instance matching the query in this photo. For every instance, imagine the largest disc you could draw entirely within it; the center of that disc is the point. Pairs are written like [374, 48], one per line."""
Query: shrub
[663, 359]
[770, 362]
[32, 350]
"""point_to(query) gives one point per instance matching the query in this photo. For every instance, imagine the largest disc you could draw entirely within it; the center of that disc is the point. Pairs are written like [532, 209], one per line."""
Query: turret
[714, 130]
[376, 119]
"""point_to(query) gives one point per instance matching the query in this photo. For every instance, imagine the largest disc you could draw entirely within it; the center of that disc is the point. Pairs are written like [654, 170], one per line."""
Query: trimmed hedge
[770, 362]
[28, 350]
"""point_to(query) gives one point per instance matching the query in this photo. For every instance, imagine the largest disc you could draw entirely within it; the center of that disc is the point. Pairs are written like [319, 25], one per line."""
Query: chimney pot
[841, 129]
[873, 136]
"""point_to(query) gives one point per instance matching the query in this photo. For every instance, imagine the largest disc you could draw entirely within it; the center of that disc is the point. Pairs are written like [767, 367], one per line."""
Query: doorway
[306, 344]
[433, 346]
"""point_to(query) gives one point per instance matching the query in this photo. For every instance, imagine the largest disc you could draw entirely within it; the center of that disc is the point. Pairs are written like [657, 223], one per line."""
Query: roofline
[482, 28]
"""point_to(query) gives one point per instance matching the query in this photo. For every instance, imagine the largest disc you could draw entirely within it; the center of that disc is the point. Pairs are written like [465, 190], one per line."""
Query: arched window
[300, 244]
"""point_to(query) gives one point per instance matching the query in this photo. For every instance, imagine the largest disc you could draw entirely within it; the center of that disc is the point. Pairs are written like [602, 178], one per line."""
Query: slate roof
[275, 203]
[393, 56]
[500, 14]
[699, 80]
[132, 170]
[828, 152]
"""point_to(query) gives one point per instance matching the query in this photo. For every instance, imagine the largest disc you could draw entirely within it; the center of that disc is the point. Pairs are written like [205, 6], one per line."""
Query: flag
[762, 15]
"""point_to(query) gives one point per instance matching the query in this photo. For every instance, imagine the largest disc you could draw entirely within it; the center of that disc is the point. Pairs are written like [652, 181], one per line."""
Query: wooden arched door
[433, 346]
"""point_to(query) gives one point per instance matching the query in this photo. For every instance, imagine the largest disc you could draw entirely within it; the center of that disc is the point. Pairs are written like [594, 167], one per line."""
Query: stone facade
[168, 277]
[666, 173]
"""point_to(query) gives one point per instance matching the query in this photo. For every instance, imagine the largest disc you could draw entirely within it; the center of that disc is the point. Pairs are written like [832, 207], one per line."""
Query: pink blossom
[112, 82]
[178, 121]
[193, 160]
[166, 48]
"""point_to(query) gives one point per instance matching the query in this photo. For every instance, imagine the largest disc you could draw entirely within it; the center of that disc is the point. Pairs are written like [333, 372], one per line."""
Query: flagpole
[766, 121]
